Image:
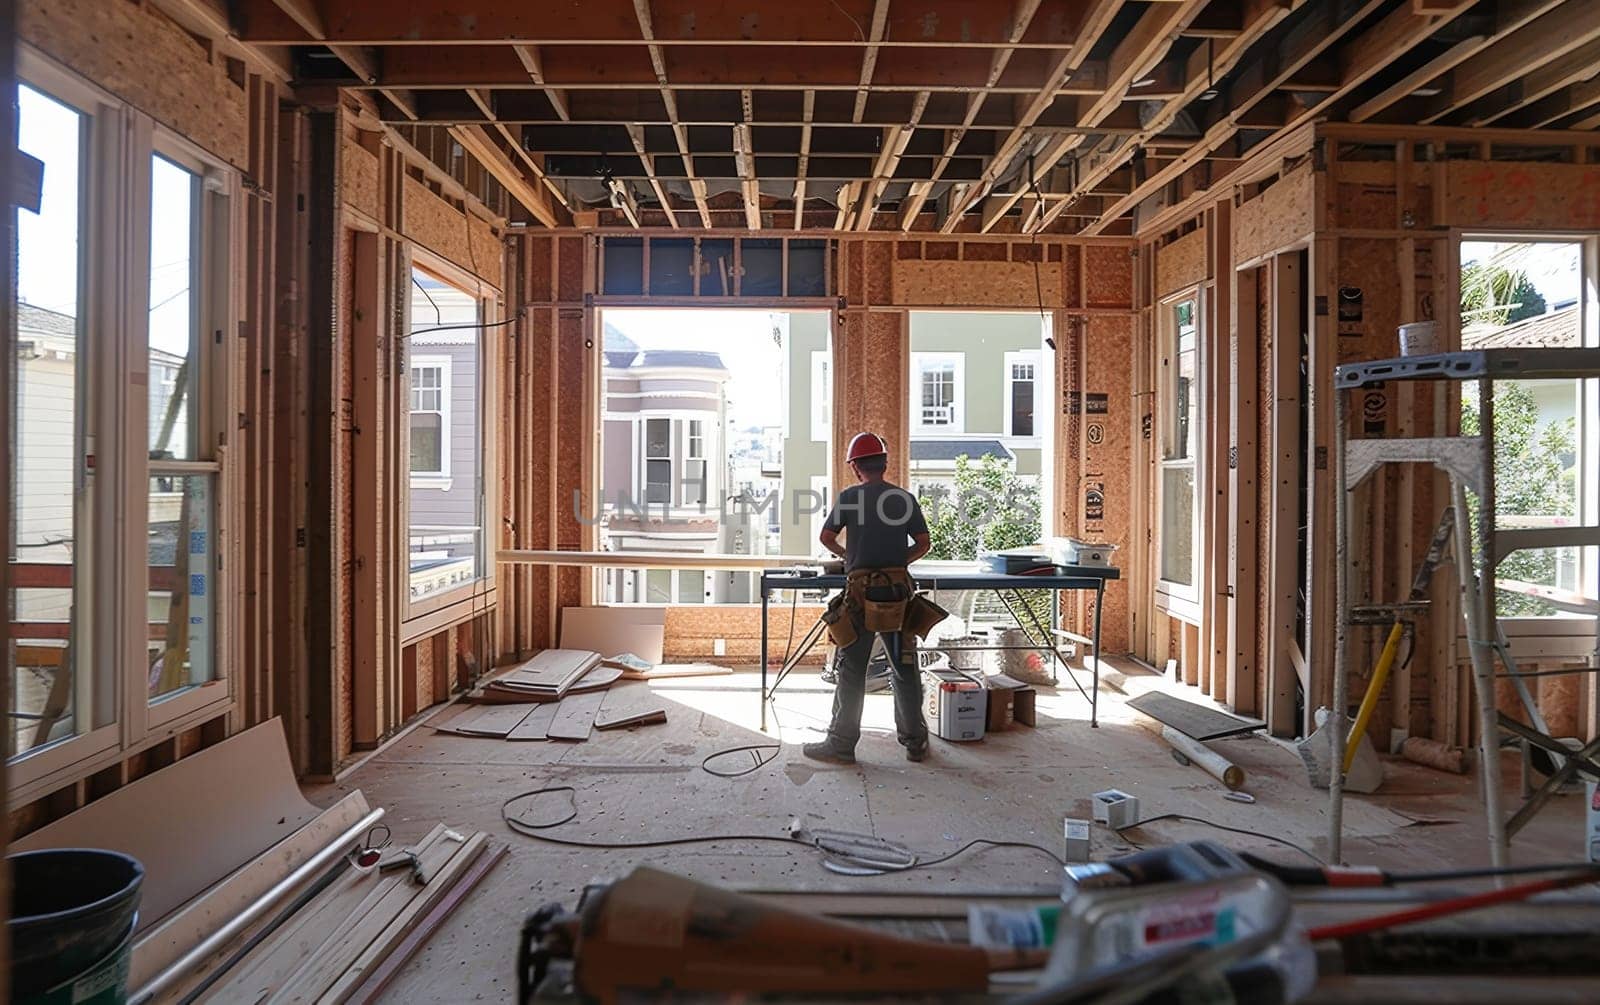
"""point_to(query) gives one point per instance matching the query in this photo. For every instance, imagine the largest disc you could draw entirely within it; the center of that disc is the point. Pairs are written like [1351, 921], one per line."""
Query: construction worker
[884, 532]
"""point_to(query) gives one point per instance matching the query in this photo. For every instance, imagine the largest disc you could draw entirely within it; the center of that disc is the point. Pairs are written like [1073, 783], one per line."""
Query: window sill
[440, 482]
[1177, 606]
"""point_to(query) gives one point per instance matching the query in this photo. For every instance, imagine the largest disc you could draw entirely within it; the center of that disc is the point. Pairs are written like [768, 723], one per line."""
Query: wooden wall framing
[1371, 216]
[551, 400]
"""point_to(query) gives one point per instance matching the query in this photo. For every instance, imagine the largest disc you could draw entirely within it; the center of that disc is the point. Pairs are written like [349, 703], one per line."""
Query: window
[445, 436]
[937, 390]
[694, 465]
[1530, 294]
[430, 417]
[658, 460]
[691, 586]
[821, 396]
[123, 261]
[52, 487]
[180, 618]
[1179, 447]
[1019, 392]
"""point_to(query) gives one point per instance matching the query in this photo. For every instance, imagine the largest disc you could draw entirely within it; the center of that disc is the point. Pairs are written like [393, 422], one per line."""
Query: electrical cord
[754, 749]
[1221, 827]
[860, 854]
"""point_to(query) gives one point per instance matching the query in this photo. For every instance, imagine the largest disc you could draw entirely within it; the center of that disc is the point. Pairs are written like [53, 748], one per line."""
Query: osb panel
[1072, 275]
[1107, 458]
[540, 252]
[359, 178]
[424, 673]
[436, 224]
[142, 57]
[1522, 195]
[880, 268]
[571, 269]
[1276, 218]
[1367, 286]
[1558, 700]
[985, 251]
[1107, 276]
[976, 284]
[1182, 263]
[692, 632]
[486, 250]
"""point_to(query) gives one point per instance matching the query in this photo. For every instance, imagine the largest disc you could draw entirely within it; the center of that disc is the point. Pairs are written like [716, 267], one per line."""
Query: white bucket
[1420, 338]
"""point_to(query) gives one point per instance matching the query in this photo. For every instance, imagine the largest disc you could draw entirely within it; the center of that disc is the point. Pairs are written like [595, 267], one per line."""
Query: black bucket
[72, 915]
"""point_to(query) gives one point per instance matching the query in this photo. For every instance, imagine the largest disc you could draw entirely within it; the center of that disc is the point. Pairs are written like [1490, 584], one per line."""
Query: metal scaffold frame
[1469, 462]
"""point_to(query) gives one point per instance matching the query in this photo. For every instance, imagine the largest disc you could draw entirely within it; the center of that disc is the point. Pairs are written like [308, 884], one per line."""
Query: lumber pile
[346, 942]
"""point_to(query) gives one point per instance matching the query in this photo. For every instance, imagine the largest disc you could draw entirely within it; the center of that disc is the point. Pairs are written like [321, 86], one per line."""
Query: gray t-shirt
[878, 520]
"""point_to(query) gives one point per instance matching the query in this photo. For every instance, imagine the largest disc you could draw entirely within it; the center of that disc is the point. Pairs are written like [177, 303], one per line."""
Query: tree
[1497, 295]
[991, 508]
[1532, 478]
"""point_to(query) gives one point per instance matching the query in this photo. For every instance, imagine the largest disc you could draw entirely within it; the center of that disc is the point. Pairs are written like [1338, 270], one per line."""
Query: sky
[744, 340]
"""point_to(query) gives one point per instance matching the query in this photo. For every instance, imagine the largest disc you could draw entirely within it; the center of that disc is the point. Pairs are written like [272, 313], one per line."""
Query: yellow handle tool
[1369, 701]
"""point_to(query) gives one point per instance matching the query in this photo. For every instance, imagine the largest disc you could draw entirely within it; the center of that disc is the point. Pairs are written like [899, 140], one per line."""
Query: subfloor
[648, 784]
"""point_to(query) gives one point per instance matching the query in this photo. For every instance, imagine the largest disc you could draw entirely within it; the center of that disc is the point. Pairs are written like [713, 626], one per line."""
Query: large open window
[978, 457]
[1178, 321]
[117, 482]
[715, 435]
[445, 370]
[1532, 294]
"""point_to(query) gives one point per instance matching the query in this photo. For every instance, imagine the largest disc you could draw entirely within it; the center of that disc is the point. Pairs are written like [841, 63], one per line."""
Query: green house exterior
[979, 385]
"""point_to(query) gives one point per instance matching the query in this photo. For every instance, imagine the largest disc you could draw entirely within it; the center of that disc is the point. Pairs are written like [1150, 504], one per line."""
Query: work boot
[917, 753]
[825, 751]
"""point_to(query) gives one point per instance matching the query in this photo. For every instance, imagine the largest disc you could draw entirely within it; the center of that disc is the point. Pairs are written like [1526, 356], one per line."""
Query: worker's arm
[830, 540]
[920, 544]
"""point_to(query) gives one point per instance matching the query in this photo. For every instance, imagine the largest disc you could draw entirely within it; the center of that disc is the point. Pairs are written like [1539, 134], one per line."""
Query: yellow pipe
[1369, 701]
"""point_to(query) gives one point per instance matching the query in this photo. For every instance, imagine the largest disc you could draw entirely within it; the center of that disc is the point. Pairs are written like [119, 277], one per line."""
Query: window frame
[646, 457]
[440, 479]
[1179, 599]
[1013, 358]
[464, 601]
[921, 364]
[114, 260]
[1547, 636]
[689, 457]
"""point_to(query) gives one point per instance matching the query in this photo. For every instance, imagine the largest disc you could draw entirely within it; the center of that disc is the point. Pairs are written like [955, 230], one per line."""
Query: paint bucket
[72, 917]
[1420, 338]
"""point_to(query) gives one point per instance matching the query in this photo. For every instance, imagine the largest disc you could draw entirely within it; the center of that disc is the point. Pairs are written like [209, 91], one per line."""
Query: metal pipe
[222, 936]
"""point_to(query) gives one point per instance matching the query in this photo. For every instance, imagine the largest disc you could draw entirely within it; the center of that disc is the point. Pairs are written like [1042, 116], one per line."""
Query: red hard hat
[865, 445]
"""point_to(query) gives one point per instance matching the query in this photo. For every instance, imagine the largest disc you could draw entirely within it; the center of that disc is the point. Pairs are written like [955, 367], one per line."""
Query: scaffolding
[1469, 463]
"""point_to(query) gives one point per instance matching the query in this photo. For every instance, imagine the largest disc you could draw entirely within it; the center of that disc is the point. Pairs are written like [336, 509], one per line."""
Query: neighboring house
[47, 394]
[805, 458]
[444, 373]
[665, 472]
[976, 381]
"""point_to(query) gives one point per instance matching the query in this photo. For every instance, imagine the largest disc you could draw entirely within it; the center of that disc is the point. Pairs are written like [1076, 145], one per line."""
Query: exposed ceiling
[919, 115]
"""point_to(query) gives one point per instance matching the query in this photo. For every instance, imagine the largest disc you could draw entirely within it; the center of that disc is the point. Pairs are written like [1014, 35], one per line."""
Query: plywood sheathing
[1279, 217]
[976, 283]
[359, 179]
[140, 55]
[1107, 276]
[1526, 196]
[1182, 262]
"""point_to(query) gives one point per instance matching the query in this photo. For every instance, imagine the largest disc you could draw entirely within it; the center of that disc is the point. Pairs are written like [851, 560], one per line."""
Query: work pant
[850, 666]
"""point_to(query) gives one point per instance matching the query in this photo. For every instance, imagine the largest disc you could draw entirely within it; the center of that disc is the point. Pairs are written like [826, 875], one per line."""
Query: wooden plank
[486, 720]
[1283, 575]
[1239, 692]
[375, 980]
[165, 943]
[641, 717]
[536, 724]
[575, 716]
[400, 924]
[239, 821]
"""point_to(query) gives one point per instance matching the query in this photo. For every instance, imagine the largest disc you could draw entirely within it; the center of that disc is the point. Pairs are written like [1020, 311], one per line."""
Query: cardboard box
[1010, 702]
[954, 705]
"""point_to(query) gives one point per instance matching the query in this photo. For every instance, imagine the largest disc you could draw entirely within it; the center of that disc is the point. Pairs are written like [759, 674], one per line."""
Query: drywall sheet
[192, 822]
[611, 631]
